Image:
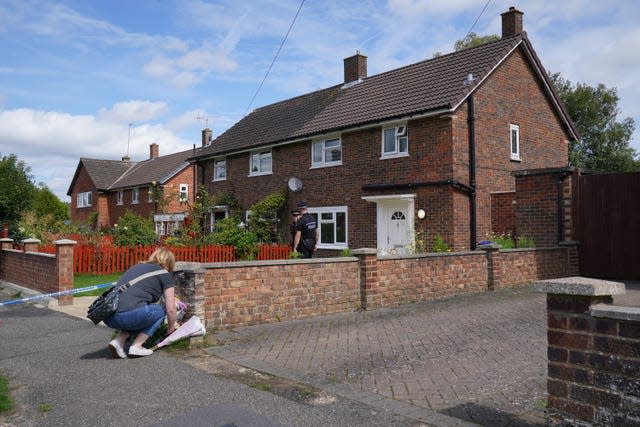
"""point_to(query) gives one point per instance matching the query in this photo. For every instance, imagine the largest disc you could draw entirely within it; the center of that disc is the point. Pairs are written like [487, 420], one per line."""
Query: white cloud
[133, 111]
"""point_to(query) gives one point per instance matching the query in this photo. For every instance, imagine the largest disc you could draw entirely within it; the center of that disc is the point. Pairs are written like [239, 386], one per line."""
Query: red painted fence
[106, 259]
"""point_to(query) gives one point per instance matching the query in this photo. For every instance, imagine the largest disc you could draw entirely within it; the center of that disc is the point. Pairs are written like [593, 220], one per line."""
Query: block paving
[476, 359]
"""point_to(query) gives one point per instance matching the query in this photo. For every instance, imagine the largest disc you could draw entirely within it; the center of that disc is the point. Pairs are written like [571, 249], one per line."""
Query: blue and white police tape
[56, 294]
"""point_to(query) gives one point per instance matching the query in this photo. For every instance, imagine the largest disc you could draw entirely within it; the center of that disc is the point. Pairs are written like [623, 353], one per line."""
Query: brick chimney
[206, 136]
[355, 67]
[126, 158]
[511, 22]
[154, 151]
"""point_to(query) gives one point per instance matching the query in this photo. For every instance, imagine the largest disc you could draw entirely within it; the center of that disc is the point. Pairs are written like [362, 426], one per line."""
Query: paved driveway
[475, 358]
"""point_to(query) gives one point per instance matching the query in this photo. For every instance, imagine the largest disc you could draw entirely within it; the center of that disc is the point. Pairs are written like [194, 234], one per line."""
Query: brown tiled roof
[103, 173]
[423, 87]
[159, 169]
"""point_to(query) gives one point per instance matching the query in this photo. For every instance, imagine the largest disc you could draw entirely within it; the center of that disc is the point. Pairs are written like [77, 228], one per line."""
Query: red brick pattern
[594, 372]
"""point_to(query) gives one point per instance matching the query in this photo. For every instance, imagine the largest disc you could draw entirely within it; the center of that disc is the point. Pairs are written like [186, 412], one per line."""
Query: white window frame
[212, 216]
[150, 194]
[514, 130]
[333, 210]
[321, 146]
[220, 165]
[135, 195]
[401, 132]
[183, 196]
[255, 160]
[83, 200]
[120, 197]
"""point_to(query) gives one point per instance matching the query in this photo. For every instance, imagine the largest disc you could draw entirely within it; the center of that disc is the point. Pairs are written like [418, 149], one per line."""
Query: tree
[473, 40]
[17, 188]
[604, 141]
[46, 203]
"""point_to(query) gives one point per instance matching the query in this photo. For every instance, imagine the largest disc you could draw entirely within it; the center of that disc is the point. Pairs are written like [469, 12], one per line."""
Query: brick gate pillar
[368, 259]
[64, 259]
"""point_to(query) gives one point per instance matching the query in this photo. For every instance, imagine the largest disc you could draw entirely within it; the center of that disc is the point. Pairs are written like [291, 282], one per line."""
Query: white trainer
[116, 349]
[139, 351]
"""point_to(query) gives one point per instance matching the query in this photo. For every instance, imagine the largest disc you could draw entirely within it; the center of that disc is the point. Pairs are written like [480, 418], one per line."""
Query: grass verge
[84, 280]
[6, 403]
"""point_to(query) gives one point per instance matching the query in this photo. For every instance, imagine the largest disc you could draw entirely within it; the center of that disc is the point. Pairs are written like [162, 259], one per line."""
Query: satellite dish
[295, 184]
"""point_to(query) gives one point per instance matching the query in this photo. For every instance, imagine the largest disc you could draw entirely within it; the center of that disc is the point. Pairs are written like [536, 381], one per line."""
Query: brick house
[424, 150]
[159, 186]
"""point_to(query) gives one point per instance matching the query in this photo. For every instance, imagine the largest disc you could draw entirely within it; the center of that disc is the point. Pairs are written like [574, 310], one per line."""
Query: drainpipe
[472, 170]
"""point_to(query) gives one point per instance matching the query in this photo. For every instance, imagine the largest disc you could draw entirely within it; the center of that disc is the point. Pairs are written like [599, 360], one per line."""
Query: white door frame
[382, 202]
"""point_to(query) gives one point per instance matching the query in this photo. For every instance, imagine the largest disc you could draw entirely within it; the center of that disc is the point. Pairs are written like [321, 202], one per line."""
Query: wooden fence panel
[608, 225]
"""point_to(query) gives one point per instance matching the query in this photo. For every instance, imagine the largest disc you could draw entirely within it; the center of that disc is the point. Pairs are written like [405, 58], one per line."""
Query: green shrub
[132, 230]
[264, 217]
[229, 232]
[439, 245]
[526, 242]
[346, 252]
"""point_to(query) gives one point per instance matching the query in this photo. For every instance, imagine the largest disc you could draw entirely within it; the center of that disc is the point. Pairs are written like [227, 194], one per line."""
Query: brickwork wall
[594, 370]
[82, 185]
[247, 293]
[242, 294]
[42, 272]
[503, 213]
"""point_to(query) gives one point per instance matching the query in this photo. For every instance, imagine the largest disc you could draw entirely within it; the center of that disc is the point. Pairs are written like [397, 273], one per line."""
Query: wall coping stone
[616, 312]
[364, 251]
[6, 239]
[65, 242]
[31, 240]
[577, 285]
[237, 264]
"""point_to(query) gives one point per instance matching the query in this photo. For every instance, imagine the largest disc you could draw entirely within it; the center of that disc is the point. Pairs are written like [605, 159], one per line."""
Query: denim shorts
[146, 319]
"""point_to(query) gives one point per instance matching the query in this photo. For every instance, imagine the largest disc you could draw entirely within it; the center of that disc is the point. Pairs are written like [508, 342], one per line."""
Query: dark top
[307, 226]
[144, 292]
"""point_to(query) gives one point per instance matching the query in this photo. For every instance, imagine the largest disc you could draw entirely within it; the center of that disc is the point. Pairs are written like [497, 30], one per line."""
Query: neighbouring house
[161, 186]
[405, 156]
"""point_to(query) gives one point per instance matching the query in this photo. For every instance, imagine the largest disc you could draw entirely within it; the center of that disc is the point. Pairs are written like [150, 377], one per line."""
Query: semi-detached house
[160, 187]
[424, 150]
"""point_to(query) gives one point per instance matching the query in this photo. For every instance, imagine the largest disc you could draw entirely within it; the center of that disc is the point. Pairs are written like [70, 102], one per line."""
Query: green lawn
[84, 280]
[6, 402]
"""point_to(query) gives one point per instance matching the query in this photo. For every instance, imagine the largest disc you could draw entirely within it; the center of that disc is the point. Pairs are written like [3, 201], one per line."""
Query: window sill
[260, 174]
[394, 156]
[516, 159]
[220, 179]
[338, 247]
[325, 165]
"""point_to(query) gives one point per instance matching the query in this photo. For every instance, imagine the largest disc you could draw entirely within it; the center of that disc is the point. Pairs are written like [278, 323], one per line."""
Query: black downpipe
[471, 118]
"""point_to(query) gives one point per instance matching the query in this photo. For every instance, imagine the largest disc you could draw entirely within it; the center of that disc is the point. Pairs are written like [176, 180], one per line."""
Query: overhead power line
[477, 19]
[274, 58]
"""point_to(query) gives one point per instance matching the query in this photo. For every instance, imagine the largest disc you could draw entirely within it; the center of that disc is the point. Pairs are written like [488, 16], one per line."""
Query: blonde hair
[163, 257]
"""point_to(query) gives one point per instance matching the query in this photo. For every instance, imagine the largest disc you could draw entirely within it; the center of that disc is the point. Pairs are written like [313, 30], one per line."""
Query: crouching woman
[138, 314]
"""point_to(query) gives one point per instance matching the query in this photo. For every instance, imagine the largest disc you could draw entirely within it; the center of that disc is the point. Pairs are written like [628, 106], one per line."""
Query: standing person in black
[306, 232]
[295, 214]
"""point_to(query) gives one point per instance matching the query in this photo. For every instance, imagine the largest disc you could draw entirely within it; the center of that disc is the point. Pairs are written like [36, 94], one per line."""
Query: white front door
[394, 226]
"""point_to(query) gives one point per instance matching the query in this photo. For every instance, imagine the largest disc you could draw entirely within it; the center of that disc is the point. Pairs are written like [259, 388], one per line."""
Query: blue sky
[75, 74]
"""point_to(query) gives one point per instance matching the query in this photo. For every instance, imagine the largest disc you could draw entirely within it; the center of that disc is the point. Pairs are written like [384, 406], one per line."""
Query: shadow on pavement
[487, 416]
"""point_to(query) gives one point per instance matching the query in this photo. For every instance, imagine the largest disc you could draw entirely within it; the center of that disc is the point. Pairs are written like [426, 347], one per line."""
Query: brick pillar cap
[65, 242]
[31, 240]
[489, 246]
[577, 285]
[364, 251]
[6, 239]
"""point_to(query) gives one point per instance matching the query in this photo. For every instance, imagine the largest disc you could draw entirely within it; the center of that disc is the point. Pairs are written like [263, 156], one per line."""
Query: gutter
[408, 185]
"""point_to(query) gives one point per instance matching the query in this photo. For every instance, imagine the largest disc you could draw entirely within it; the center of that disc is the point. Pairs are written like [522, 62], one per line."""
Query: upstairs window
[514, 136]
[184, 192]
[84, 199]
[135, 195]
[220, 170]
[120, 197]
[327, 152]
[395, 142]
[260, 163]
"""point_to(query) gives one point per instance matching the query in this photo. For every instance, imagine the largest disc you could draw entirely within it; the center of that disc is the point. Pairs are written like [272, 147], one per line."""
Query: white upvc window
[219, 170]
[514, 138]
[332, 222]
[150, 194]
[184, 192]
[326, 152]
[135, 195]
[260, 163]
[120, 197]
[218, 213]
[83, 200]
[395, 141]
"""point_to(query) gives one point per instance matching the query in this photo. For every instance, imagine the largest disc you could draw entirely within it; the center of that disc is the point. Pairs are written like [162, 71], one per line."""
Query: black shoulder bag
[107, 303]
